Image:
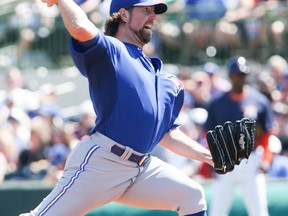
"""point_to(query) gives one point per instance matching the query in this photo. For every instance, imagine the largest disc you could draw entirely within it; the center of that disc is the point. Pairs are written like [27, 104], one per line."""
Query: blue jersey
[135, 101]
[252, 105]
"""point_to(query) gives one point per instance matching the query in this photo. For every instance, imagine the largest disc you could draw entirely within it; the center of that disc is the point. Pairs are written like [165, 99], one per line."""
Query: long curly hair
[113, 22]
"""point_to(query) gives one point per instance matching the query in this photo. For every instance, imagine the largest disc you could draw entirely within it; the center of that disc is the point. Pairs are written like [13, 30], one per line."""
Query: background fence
[33, 35]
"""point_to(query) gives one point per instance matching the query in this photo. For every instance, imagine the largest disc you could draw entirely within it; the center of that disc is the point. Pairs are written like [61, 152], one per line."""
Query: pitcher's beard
[144, 35]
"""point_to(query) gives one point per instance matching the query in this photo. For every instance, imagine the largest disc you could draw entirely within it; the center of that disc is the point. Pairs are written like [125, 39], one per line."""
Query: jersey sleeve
[90, 54]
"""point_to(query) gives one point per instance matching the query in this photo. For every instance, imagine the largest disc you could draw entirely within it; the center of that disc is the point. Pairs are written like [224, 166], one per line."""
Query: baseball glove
[231, 143]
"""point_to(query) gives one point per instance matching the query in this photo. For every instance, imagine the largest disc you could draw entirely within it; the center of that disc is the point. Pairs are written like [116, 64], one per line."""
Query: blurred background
[44, 102]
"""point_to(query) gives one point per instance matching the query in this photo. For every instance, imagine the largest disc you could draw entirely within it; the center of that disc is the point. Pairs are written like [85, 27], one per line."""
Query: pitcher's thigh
[91, 179]
[162, 186]
[68, 196]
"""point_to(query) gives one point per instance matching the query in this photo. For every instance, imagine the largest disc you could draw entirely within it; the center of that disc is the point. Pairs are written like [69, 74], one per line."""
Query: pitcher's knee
[194, 201]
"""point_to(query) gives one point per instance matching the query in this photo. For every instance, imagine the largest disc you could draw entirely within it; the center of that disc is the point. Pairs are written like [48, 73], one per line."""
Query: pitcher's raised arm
[75, 19]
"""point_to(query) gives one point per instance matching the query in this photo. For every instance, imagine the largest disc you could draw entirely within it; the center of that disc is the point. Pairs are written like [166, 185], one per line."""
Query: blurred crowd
[192, 31]
[35, 136]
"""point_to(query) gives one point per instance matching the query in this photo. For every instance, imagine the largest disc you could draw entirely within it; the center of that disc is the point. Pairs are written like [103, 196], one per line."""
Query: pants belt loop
[127, 153]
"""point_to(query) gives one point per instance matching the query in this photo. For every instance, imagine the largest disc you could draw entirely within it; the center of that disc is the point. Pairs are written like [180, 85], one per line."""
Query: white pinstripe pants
[94, 176]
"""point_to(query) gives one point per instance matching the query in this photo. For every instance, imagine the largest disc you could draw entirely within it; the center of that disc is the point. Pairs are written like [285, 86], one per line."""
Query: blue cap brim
[160, 8]
[115, 6]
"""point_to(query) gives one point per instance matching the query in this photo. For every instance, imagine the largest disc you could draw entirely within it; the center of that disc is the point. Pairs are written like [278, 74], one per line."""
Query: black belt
[138, 159]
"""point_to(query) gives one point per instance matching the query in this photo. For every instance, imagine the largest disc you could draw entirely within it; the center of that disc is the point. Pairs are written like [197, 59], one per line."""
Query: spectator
[277, 66]
[16, 93]
[267, 85]
[219, 84]
[279, 165]
[59, 148]
[201, 91]
[277, 69]
[86, 120]
[17, 101]
[32, 163]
